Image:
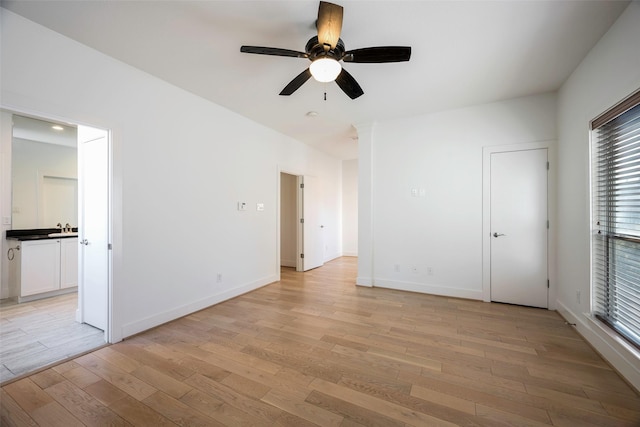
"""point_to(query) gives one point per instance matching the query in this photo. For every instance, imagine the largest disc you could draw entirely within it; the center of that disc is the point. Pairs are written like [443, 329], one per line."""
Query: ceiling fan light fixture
[325, 69]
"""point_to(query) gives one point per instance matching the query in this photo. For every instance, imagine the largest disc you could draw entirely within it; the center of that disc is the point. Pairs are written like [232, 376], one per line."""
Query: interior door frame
[486, 213]
[108, 333]
[299, 229]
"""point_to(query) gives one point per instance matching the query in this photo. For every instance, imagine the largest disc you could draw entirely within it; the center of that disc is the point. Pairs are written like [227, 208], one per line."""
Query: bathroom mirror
[44, 174]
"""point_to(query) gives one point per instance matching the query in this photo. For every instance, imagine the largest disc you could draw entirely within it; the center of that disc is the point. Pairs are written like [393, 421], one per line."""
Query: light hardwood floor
[38, 333]
[314, 349]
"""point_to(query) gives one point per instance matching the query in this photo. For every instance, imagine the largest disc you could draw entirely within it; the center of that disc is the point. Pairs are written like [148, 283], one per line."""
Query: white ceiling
[43, 131]
[463, 53]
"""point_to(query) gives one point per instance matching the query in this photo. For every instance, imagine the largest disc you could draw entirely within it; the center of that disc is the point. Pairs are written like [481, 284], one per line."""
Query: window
[615, 241]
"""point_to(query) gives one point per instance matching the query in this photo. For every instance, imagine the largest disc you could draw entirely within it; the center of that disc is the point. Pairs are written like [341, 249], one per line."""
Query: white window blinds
[616, 220]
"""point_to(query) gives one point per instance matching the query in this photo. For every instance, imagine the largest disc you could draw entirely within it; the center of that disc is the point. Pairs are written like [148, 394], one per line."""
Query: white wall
[180, 165]
[350, 207]
[331, 215]
[609, 73]
[440, 155]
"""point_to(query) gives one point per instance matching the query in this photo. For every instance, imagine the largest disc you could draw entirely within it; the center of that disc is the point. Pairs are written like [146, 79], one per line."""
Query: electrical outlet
[429, 271]
[396, 268]
[414, 269]
[219, 278]
[578, 297]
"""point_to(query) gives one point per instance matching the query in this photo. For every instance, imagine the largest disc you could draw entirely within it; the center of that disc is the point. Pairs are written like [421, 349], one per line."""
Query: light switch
[414, 192]
[242, 206]
[260, 206]
[6, 220]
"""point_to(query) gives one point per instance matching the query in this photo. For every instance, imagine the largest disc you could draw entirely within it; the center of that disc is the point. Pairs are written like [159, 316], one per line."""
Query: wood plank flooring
[38, 333]
[314, 349]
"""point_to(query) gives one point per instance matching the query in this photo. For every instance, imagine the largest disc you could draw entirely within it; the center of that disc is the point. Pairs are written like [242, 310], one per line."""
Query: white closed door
[519, 227]
[312, 234]
[93, 227]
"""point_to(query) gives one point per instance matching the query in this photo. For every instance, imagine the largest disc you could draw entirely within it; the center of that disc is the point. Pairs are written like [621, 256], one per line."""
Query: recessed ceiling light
[57, 127]
[312, 114]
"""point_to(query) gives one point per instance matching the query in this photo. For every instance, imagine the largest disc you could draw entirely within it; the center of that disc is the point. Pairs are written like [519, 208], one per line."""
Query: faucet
[58, 225]
[67, 228]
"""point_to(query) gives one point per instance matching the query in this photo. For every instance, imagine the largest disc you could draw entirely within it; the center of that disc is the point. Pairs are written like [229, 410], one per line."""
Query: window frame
[604, 119]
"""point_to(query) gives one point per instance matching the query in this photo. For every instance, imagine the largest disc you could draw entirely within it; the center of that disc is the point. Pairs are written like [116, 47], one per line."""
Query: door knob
[498, 235]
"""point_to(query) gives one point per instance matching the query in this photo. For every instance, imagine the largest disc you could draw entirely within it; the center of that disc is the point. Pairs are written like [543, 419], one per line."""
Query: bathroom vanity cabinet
[46, 267]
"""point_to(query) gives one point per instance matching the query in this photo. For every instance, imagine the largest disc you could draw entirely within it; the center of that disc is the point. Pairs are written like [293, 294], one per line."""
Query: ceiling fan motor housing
[315, 50]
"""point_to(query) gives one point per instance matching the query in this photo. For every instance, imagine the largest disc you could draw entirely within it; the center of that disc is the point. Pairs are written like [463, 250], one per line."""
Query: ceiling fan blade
[275, 51]
[295, 84]
[378, 54]
[329, 24]
[348, 84]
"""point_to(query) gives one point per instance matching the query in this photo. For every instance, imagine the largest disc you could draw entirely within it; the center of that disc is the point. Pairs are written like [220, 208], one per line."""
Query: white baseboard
[349, 253]
[364, 281]
[287, 263]
[141, 325]
[621, 355]
[332, 257]
[48, 294]
[444, 291]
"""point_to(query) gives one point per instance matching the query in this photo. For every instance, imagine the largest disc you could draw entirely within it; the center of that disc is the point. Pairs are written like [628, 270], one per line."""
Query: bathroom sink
[69, 234]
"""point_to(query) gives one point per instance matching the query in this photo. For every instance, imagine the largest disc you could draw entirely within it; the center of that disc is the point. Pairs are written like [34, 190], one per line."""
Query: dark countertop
[38, 234]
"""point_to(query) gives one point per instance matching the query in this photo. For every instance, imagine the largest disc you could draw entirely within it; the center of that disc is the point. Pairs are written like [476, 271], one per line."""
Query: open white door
[311, 235]
[519, 227]
[93, 226]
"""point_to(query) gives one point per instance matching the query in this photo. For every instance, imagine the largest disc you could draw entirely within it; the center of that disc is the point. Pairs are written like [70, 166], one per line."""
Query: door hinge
[547, 165]
[547, 283]
[547, 224]
[301, 255]
[109, 247]
[301, 185]
[301, 220]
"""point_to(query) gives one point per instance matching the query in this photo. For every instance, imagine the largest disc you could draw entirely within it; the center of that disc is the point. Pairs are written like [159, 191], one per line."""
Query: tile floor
[38, 333]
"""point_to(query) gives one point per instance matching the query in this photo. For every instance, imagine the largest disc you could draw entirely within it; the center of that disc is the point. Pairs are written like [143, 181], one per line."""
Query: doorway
[75, 302]
[288, 220]
[301, 228]
[516, 225]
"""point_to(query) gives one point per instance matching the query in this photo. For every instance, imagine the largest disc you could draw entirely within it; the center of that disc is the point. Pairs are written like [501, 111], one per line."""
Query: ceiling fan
[326, 50]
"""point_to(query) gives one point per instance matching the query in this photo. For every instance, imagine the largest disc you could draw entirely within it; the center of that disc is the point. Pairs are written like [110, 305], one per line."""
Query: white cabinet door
[68, 263]
[39, 267]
